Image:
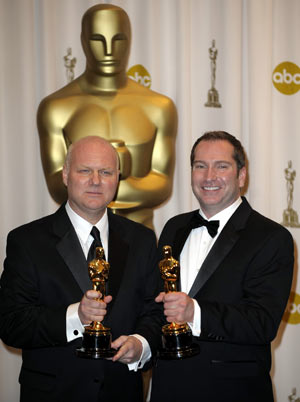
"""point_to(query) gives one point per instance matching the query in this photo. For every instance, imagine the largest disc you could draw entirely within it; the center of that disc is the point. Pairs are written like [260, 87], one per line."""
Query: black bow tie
[197, 221]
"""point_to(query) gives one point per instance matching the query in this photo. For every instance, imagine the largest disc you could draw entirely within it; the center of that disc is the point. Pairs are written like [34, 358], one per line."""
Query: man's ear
[242, 176]
[65, 176]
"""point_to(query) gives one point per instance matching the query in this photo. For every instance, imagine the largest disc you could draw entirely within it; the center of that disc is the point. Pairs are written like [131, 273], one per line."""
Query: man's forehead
[228, 161]
[214, 148]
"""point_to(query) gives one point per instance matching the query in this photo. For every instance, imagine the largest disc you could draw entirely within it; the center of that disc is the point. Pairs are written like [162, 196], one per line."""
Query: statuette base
[177, 342]
[96, 344]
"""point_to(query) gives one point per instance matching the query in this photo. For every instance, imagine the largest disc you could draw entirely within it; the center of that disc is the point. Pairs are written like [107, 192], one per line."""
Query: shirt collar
[83, 228]
[224, 215]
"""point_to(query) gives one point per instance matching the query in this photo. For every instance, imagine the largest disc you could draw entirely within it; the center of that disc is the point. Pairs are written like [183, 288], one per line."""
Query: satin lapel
[70, 249]
[117, 256]
[179, 240]
[220, 249]
[226, 240]
[180, 237]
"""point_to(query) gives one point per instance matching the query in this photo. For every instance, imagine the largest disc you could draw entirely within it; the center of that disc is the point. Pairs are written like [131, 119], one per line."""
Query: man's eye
[223, 166]
[199, 166]
[106, 173]
[84, 171]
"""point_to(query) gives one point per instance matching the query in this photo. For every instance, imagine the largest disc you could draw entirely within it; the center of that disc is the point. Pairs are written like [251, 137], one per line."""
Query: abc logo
[292, 313]
[139, 74]
[286, 78]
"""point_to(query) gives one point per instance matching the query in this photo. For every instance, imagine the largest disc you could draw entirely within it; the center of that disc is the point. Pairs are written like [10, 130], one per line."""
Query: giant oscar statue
[103, 101]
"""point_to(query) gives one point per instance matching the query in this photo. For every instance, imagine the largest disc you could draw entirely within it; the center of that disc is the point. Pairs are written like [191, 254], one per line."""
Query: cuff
[145, 356]
[74, 327]
[196, 324]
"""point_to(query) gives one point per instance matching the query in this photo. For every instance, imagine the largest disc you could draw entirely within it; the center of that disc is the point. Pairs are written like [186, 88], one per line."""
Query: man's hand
[130, 349]
[178, 306]
[90, 309]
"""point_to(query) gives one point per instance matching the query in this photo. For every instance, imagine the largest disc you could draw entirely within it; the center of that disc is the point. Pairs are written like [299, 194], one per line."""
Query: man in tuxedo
[46, 297]
[235, 277]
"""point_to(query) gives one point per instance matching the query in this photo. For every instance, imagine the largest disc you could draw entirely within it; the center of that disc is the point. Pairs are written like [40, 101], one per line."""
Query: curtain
[257, 82]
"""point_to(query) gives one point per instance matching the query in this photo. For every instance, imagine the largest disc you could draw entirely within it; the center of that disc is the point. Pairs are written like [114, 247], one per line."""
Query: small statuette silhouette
[293, 396]
[290, 216]
[176, 338]
[70, 63]
[213, 96]
[97, 338]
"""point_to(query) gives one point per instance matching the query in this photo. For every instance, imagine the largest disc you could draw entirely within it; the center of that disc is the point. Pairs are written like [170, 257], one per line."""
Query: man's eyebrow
[216, 161]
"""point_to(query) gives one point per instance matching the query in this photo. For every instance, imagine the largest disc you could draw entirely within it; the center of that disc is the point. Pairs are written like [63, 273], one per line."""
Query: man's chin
[210, 199]
[95, 203]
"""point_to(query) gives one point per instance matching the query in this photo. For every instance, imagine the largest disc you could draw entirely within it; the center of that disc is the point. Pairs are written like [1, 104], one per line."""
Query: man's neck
[211, 214]
[89, 216]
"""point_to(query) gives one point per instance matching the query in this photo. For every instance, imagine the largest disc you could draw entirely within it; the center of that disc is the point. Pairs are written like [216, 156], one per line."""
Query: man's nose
[211, 173]
[95, 178]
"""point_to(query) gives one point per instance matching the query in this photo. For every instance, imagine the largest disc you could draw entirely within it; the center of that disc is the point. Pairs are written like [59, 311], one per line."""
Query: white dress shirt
[194, 252]
[74, 327]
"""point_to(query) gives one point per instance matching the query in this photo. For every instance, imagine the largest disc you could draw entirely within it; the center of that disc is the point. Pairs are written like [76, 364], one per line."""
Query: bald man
[46, 297]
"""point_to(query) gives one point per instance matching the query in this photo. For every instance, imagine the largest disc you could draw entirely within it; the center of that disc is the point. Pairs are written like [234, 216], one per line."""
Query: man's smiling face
[216, 181]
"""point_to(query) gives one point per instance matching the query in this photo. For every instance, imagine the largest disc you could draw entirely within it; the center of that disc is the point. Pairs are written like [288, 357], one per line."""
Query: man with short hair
[235, 276]
[46, 297]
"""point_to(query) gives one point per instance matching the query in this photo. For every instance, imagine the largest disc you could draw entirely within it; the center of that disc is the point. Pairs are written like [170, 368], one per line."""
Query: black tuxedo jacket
[242, 289]
[44, 272]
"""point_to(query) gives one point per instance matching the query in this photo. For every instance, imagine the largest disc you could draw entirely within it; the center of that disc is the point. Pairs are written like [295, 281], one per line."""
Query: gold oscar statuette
[97, 338]
[176, 338]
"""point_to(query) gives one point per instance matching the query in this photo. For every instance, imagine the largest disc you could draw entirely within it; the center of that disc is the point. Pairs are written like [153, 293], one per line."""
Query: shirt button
[75, 332]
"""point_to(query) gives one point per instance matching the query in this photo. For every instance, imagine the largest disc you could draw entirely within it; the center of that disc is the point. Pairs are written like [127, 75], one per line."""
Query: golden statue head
[105, 38]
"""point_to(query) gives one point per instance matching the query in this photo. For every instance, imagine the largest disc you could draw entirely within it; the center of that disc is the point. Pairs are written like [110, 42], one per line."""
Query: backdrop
[255, 58]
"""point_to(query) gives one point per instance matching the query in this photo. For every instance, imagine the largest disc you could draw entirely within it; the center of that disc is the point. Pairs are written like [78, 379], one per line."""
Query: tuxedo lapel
[182, 233]
[179, 240]
[117, 256]
[226, 240]
[220, 249]
[70, 249]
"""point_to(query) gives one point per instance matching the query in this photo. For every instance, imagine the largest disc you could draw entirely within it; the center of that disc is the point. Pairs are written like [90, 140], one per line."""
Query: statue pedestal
[213, 98]
[290, 218]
